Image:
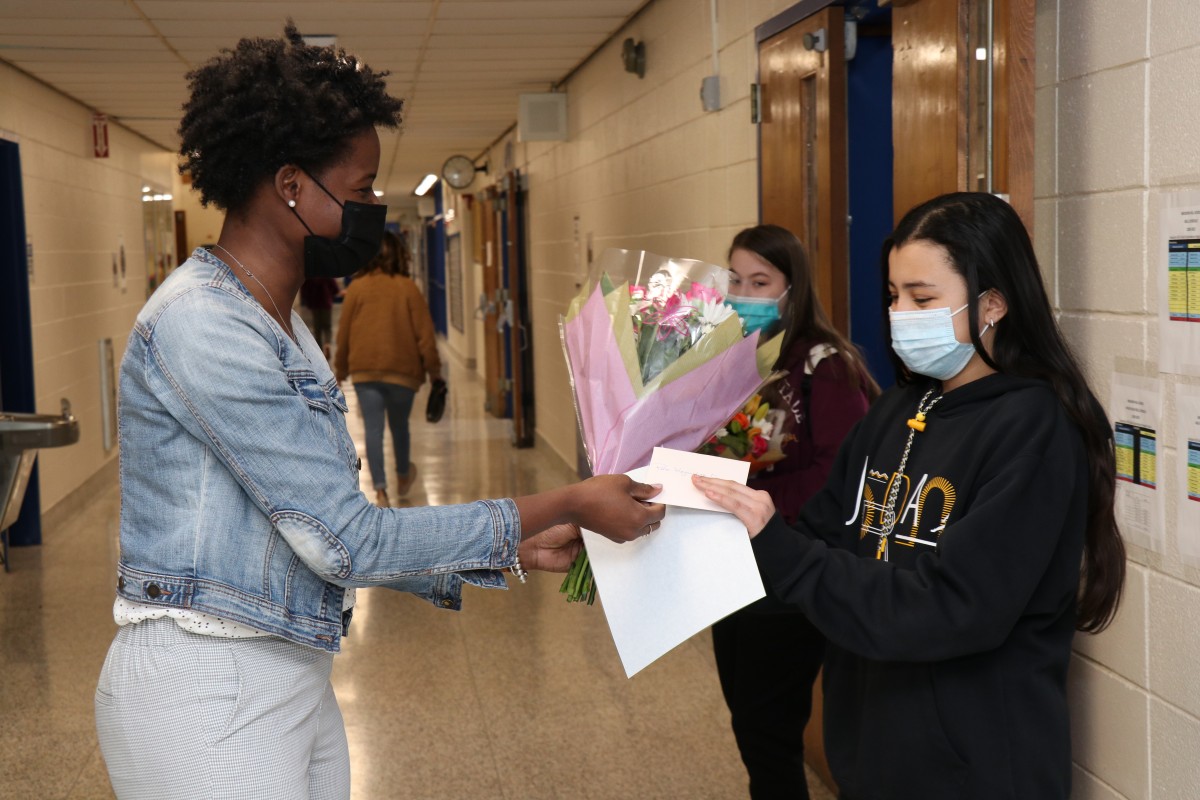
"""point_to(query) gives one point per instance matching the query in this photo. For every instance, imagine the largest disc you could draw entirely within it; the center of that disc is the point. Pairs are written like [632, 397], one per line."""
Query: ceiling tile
[461, 68]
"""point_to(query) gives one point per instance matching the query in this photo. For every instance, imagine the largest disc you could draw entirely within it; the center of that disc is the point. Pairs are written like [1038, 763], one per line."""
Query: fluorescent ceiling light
[426, 184]
[981, 54]
[319, 39]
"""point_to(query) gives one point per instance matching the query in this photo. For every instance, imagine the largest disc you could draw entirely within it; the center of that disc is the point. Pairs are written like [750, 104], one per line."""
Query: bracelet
[517, 570]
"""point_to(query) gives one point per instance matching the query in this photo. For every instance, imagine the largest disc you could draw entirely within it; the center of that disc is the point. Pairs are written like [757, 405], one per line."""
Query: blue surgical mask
[925, 342]
[756, 312]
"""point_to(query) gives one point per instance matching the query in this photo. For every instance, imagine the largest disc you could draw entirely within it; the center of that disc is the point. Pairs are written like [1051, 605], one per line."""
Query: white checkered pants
[183, 715]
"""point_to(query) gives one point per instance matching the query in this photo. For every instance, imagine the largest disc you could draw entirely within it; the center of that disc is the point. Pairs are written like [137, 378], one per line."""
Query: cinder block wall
[78, 210]
[645, 167]
[1118, 127]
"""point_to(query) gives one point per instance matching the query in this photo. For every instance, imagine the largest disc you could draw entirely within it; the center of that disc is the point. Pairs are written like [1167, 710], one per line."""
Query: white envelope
[674, 470]
[660, 590]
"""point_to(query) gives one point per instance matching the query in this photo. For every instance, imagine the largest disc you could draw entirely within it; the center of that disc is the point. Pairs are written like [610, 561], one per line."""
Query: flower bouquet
[756, 434]
[656, 358]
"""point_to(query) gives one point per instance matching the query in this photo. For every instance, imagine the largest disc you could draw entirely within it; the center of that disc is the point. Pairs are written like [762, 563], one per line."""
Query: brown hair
[391, 257]
[805, 319]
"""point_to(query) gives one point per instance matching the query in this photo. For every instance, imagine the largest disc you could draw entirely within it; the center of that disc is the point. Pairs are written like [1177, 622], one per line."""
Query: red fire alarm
[100, 135]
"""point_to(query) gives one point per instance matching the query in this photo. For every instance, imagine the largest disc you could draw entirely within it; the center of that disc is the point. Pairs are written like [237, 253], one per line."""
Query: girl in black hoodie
[965, 533]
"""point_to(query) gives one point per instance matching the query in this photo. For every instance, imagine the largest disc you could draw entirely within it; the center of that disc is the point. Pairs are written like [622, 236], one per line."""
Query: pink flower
[705, 294]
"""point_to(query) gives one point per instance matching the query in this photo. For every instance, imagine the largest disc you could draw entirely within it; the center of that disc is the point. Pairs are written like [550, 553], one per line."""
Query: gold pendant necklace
[915, 425]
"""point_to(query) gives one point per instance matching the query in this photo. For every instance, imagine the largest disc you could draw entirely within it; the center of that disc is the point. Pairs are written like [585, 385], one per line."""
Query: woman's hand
[615, 507]
[752, 507]
[553, 549]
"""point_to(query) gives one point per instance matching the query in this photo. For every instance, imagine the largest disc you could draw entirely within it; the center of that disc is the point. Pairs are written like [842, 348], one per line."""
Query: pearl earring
[291, 203]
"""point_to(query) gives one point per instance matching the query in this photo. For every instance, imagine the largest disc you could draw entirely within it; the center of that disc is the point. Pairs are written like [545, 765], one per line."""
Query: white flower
[721, 434]
[765, 427]
[711, 314]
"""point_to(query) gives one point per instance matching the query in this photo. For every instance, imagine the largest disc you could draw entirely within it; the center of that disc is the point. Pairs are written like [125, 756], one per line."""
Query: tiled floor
[520, 696]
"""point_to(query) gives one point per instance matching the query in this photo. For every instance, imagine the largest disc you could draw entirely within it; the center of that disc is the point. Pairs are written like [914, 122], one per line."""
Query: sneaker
[406, 481]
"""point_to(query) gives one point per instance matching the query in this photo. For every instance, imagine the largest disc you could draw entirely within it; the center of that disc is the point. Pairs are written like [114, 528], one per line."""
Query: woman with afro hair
[243, 531]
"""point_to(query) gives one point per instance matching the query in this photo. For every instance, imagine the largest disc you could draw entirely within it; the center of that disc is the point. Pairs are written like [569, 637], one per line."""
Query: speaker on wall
[542, 117]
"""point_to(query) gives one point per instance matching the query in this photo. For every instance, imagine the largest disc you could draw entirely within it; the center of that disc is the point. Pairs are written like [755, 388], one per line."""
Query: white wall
[644, 168]
[77, 211]
[1117, 122]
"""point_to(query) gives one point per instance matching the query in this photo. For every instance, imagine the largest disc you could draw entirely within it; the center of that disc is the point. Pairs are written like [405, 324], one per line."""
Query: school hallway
[520, 696]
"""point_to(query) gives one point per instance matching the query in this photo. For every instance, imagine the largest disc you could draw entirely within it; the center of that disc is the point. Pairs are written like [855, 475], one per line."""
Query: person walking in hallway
[966, 531]
[243, 531]
[386, 346]
[317, 295]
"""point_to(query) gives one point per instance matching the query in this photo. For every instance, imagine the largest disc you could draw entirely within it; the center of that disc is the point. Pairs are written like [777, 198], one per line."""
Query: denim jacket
[239, 480]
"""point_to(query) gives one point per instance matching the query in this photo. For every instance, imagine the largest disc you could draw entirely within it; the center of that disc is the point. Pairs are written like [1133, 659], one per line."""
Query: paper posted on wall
[1135, 410]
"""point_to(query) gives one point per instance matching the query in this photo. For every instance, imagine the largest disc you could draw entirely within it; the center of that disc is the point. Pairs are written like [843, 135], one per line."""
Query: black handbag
[436, 406]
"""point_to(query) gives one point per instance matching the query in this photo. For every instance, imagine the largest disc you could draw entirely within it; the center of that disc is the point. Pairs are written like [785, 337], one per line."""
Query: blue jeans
[375, 398]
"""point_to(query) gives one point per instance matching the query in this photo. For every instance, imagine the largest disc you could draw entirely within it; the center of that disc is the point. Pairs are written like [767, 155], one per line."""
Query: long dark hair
[988, 245]
[805, 319]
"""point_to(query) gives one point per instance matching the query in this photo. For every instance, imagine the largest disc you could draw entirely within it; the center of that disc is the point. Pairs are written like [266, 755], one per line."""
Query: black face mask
[362, 234]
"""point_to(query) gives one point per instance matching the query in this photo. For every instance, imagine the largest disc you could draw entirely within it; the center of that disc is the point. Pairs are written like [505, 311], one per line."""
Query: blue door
[16, 334]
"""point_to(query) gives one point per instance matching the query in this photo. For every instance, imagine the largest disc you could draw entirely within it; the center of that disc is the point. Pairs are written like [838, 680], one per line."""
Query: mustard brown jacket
[385, 332]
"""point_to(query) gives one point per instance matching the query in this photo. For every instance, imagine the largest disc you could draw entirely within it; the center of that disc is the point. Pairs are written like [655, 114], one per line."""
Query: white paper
[1135, 411]
[1187, 427]
[674, 470]
[1179, 284]
[660, 590]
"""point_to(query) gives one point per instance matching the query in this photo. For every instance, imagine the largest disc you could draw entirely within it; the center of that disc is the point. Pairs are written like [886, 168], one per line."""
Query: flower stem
[579, 584]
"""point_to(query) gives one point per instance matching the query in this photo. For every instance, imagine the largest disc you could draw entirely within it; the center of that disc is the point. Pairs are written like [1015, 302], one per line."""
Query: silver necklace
[915, 425]
[282, 319]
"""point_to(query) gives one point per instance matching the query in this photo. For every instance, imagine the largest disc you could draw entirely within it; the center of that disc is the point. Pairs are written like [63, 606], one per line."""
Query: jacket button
[358, 465]
[447, 603]
[120, 582]
[153, 591]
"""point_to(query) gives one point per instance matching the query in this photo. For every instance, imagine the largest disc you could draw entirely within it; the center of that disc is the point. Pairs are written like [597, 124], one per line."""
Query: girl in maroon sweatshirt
[768, 654]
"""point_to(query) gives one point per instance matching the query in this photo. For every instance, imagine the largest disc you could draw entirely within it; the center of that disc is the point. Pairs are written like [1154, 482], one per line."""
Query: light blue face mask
[756, 312]
[926, 344]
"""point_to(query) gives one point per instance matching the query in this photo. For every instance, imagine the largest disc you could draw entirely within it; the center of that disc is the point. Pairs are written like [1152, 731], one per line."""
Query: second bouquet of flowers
[656, 359]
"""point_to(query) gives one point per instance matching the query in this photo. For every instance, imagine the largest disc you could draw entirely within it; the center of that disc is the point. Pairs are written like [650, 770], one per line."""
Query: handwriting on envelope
[674, 470]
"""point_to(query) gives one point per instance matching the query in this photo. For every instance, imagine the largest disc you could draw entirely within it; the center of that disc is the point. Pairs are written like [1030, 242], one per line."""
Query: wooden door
[929, 109]
[493, 341]
[521, 339]
[802, 137]
[803, 183]
[937, 113]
